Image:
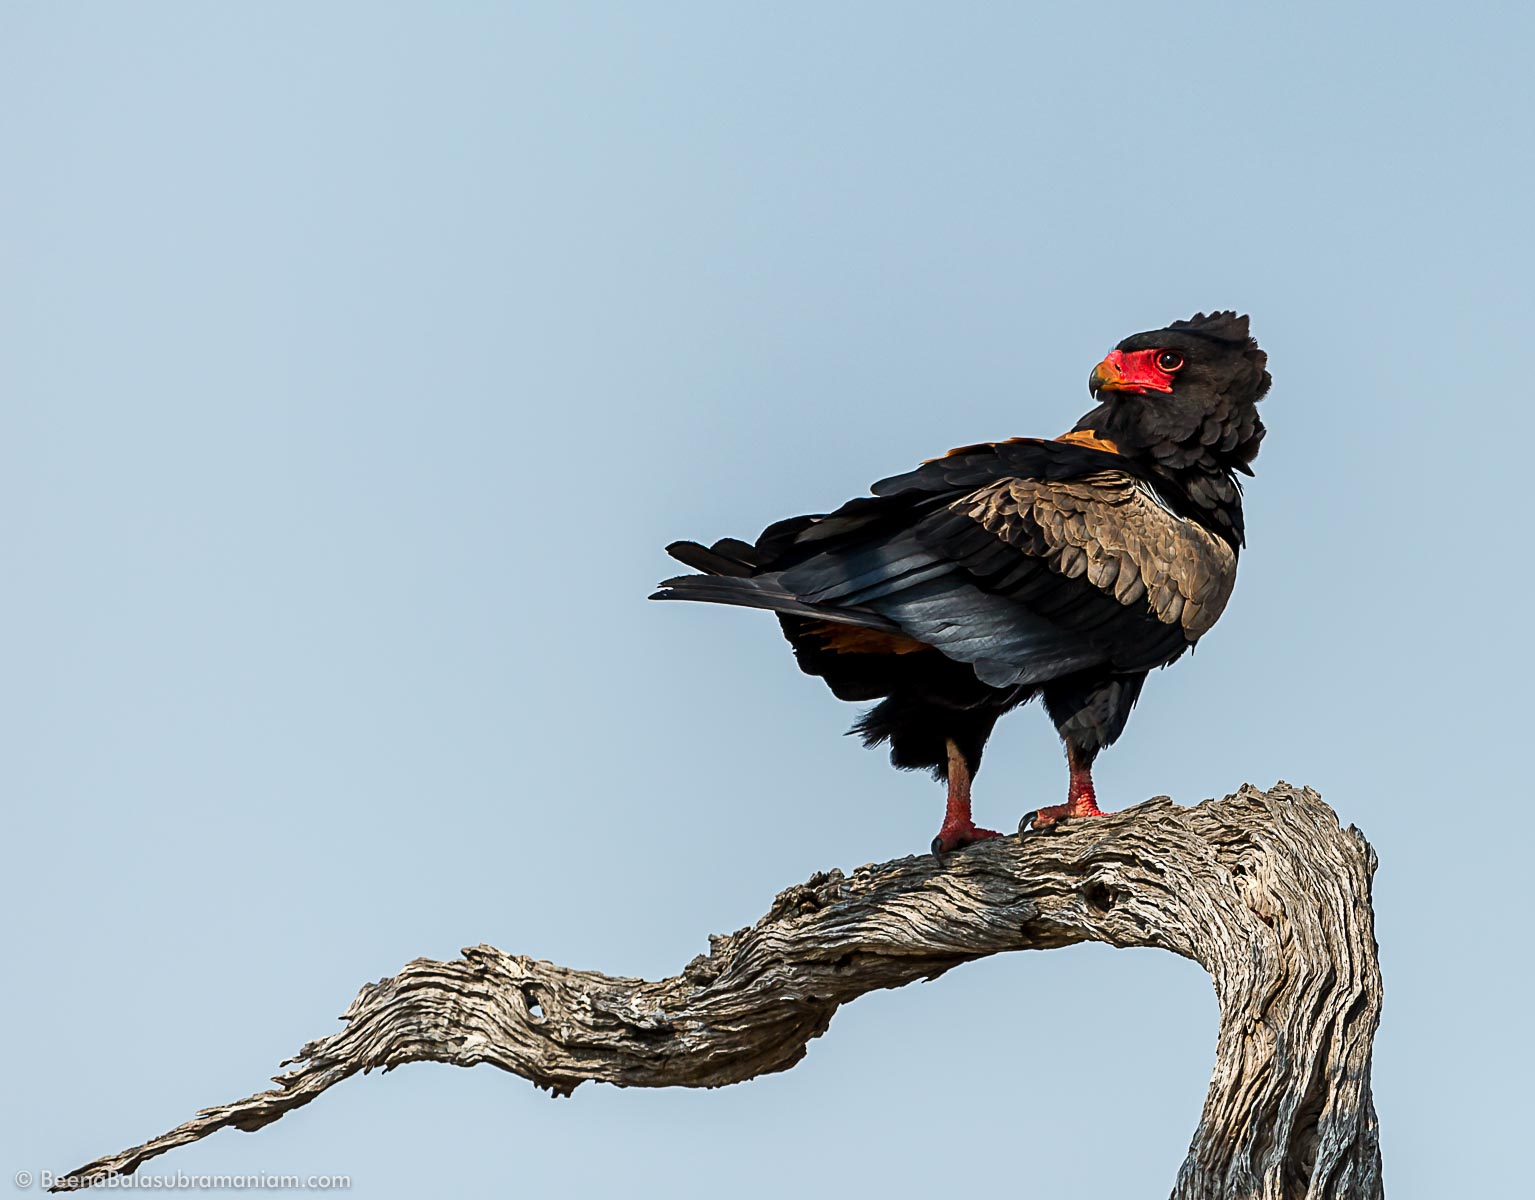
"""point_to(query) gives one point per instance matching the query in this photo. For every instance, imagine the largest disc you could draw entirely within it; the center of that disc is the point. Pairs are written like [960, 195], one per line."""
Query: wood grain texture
[1263, 889]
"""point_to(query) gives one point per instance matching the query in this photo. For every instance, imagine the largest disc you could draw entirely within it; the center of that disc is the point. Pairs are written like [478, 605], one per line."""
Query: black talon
[938, 851]
[1027, 828]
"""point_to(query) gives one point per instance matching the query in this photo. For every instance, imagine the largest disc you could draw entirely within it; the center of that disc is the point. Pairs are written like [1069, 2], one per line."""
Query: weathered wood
[1263, 889]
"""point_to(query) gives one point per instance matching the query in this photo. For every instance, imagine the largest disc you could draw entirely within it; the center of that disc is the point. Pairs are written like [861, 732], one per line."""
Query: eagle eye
[1169, 361]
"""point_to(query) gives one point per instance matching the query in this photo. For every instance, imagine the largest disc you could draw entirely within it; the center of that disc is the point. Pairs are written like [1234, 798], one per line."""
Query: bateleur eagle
[1064, 569]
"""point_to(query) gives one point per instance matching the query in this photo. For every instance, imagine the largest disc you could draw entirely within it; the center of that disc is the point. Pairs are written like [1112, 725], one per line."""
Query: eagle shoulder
[1115, 531]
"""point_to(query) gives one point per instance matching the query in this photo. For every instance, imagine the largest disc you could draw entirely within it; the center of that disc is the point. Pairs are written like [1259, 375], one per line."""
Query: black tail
[728, 556]
[732, 578]
[764, 591]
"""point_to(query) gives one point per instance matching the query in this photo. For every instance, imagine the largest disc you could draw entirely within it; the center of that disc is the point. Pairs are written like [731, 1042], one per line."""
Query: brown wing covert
[1114, 530]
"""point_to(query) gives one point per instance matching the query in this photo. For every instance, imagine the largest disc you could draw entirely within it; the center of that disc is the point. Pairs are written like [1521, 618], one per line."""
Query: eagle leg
[1080, 798]
[958, 829]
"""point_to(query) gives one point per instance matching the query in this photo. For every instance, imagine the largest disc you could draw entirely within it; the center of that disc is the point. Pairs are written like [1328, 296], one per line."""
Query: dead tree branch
[1263, 889]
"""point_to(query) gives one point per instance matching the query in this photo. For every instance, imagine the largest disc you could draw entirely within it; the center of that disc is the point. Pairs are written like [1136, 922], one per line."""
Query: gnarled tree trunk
[1262, 889]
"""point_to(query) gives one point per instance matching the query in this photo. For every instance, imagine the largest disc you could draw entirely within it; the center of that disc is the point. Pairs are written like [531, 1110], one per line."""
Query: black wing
[1026, 560]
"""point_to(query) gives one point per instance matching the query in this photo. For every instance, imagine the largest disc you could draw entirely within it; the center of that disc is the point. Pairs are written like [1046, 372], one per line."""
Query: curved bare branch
[1263, 889]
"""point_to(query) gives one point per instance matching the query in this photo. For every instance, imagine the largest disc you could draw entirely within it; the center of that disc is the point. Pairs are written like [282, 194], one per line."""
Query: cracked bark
[1262, 889]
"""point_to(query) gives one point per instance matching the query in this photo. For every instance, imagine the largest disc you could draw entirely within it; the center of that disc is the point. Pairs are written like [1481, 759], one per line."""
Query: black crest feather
[1232, 329]
[1218, 326]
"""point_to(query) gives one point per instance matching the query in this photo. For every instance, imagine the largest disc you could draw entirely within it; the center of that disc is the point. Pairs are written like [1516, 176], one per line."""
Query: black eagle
[1064, 569]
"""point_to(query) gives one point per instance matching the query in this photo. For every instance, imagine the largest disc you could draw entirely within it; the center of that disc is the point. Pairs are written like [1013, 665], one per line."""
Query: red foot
[955, 835]
[1080, 806]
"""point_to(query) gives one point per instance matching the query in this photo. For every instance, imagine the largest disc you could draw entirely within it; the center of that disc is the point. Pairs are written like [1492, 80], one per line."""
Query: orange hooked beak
[1134, 372]
[1107, 376]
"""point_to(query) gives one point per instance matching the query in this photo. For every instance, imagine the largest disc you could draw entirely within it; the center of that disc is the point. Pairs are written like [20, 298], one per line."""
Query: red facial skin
[1132, 371]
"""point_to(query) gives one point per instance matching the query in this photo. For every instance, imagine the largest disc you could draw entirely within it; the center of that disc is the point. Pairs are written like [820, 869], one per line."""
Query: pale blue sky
[356, 362]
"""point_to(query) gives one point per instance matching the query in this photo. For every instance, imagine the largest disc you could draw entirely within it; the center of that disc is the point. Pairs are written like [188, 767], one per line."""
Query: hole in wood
[1099, 898]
